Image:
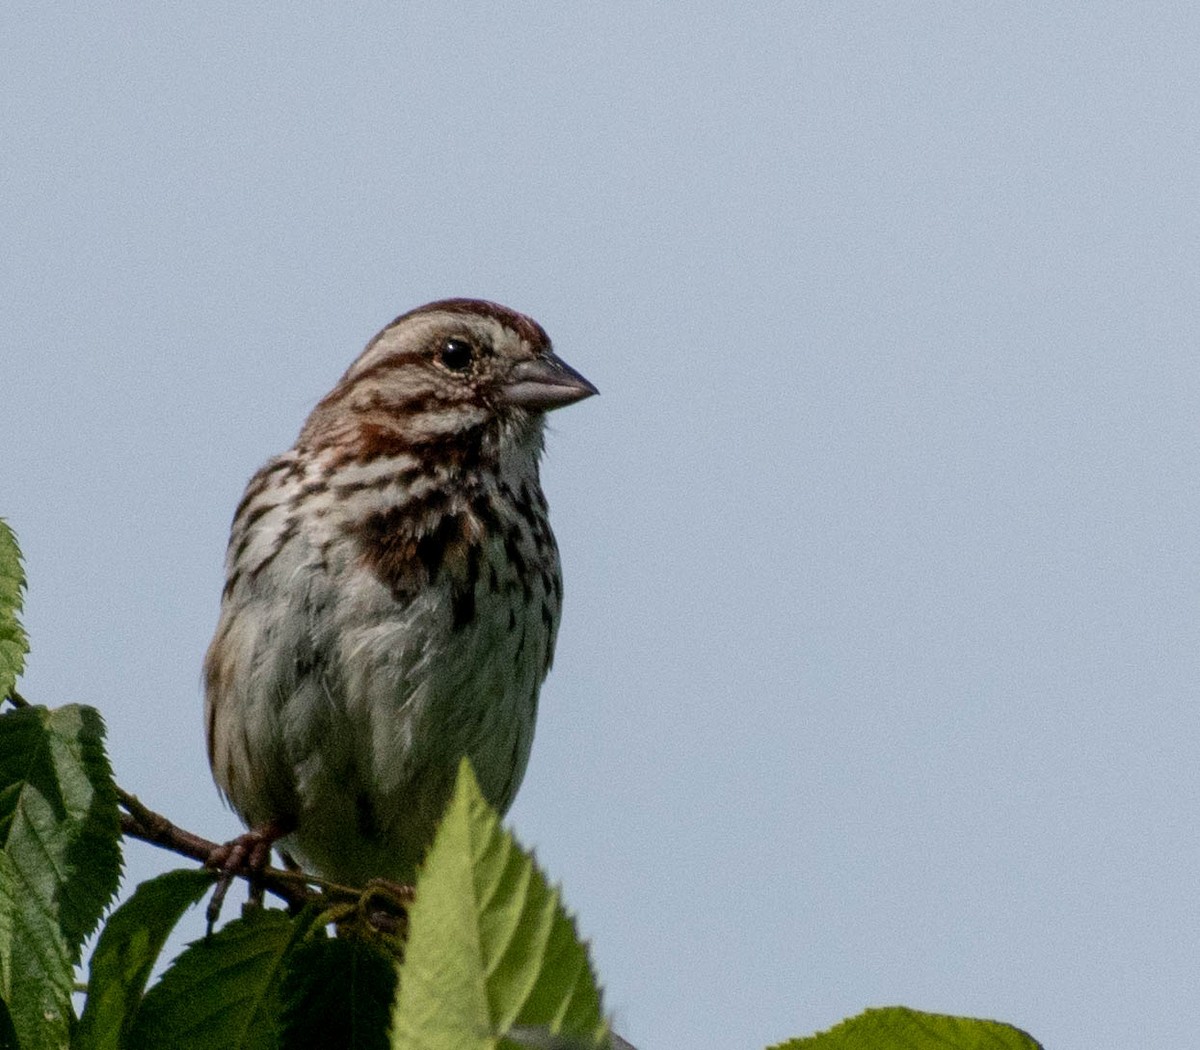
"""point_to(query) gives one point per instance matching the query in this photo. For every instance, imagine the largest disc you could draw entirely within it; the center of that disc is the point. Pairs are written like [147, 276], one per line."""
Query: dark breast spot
[485, 512]
[512, 551]
[433, 546]
[389, 551]
[410, 548]
[463, 599]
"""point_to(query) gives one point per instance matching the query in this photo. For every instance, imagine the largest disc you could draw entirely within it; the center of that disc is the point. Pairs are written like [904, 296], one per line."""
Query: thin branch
[140, 822]
[294, 888]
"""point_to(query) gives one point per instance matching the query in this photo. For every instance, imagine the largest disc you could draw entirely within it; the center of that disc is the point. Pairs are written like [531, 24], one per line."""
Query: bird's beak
[545, 383]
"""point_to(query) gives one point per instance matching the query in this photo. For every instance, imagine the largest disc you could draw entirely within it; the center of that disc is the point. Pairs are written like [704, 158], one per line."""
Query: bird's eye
[457, 355]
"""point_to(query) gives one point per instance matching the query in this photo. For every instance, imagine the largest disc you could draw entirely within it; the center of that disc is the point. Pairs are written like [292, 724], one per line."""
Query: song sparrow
[392, 596]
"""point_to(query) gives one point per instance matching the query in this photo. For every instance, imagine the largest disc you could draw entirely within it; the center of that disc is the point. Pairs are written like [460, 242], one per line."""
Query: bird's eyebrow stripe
[526, 327]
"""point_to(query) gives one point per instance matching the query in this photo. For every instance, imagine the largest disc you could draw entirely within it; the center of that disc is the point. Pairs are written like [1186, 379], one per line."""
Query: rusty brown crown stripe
[526, 327]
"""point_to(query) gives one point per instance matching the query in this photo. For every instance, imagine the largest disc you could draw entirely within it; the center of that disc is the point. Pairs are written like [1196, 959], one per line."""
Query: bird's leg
[248, 854]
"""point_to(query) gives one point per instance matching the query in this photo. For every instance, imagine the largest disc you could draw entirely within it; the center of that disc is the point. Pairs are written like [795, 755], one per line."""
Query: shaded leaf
[899, 1028]
[491, 952]
[128, 947]
[338, 993]
[59, 833]
[223, 991]
[13, 642]
[8, 1034]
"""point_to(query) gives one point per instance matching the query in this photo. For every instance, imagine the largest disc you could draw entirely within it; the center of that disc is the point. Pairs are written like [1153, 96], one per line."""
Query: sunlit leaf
[491, 952]
[13, 642]
[899, 1028]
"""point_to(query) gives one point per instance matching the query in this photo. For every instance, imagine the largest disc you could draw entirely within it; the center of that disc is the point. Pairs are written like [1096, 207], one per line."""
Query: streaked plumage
[393, 594]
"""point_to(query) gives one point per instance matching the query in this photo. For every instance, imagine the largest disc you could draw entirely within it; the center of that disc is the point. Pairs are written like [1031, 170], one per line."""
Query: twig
[295, 888]
[141, 822]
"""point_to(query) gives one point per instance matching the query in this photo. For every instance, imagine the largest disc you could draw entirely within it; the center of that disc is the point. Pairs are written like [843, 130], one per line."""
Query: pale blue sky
[877, 678]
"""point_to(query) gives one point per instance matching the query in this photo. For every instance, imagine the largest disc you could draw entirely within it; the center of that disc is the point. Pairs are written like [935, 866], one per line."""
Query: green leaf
[223, 991]
[126, 952]
[59, 832]
[338, 993]
[13, 642]
[899, 1028]
[491, 953]
[8, 914]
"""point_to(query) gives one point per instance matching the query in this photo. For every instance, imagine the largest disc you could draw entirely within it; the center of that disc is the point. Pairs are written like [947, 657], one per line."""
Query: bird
[392, 598]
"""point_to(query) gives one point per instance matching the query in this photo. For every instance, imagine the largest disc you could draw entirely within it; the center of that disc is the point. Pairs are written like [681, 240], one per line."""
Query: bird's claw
[247, 855]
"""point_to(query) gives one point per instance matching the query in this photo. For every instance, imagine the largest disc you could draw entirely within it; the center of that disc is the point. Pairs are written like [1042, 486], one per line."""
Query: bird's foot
[381, 909]
[248, 855]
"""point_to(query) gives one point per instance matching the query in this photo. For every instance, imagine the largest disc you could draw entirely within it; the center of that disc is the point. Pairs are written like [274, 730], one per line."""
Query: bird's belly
[416, 693]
